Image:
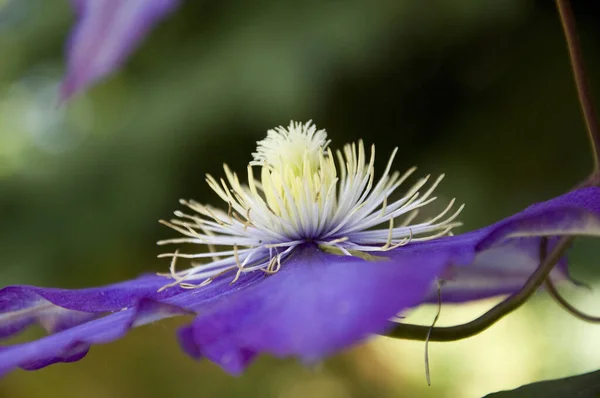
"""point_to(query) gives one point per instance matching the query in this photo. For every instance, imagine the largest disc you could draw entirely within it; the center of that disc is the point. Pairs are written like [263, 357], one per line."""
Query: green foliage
[582, 386]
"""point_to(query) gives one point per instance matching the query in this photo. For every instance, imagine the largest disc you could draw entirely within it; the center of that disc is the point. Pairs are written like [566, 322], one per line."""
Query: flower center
[302, 196]
[297, 173]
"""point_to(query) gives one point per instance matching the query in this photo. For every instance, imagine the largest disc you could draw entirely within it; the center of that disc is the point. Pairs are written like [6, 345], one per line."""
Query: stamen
[443, 213]
[305, 193]
[335, 241]
[173, 274]
[438, 235]
[229, 211]
[390, 232]
[404, 241]
[410, 218]
[383, 207]
[237, 262]
[274, 265]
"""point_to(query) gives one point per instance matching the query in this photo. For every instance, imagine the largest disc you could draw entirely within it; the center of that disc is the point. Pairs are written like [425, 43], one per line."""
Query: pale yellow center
[298, 171]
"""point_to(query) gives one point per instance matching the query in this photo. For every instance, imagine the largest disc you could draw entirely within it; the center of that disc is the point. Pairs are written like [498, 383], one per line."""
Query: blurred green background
[479, 90]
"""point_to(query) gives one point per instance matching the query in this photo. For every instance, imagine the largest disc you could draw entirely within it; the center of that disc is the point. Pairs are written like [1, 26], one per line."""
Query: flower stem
[581, 81]
[476, 326]
[567, 306]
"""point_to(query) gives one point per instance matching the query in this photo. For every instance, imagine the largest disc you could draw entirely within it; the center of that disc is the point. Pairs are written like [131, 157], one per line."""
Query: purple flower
[105, 33]
[311, 258]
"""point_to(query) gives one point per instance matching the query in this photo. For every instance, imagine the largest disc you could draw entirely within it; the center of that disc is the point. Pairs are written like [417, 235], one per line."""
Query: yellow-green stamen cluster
[302, 197]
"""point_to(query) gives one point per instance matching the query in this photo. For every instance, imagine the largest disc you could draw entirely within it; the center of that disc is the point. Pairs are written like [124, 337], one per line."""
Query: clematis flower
[106, 32]
[313, 256]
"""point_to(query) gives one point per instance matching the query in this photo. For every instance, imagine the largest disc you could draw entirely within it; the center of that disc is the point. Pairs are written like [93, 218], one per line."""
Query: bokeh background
[479, 90]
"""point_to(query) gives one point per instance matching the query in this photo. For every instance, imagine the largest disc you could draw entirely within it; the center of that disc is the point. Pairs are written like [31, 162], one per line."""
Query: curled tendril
[567, 306]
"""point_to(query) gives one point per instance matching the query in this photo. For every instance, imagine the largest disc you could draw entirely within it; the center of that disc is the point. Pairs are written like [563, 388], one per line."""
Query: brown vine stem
[476, 326]
[581, 82]
[567, 306]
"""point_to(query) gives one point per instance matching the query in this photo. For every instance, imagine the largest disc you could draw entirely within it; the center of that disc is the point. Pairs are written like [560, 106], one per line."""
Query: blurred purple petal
[106, 32]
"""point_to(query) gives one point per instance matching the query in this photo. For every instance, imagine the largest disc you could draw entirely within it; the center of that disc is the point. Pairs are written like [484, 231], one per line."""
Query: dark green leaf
[582, 386]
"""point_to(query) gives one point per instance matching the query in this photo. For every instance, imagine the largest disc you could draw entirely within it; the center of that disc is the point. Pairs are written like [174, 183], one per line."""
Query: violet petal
[59, 309]
[106, 32]
[72, 344]
[507, 252]
[317, 304]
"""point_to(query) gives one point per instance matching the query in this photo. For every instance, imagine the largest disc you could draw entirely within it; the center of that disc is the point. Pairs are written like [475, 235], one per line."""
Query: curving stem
[581, 82]
[476, 326]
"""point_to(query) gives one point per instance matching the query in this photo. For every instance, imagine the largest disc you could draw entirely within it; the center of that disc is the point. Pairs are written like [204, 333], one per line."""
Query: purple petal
[506, 253]
[129, 304]
[503, 269]
[59, 309]
[72, 344]
[575, 213]
[316, 305]
[106, 32]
